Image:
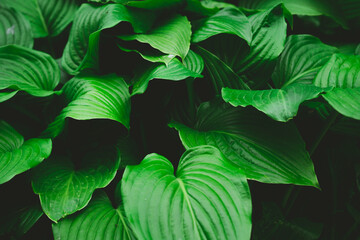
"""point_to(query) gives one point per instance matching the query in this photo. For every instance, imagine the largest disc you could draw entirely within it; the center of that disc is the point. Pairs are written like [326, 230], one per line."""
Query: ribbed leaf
[99, 220]
[88, 23]
[17, 155]
[175, 71]
[227, 20]
[63, 190]
[47, 17]
[14, 28]
[342, 73]
[267, 151]
[28, 70]
[152, 4]
[172, 37]
[93, 97]
[208, 198]
[295, 70]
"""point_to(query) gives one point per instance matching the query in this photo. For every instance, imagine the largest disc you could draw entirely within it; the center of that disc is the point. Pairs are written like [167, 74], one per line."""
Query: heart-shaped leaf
[342, 73]
[28, 70]
[99, 220]
[17, 155]
[267, 151]
[63, 190]
[14, 28]
[47, 17]
[208, 198]
[93, 97]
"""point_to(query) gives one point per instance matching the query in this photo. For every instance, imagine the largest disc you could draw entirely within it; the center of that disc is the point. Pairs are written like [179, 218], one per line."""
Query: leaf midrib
[41, 17]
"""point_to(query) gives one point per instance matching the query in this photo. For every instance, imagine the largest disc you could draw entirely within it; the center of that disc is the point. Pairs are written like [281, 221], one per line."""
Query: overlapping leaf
[27, 70]
[93, 97]
[47, 17]
[267, 151]
[63, 190]
[99, 220]
[14, 28]
[208, 198]
[342, 73]
[295, 70]
[17, 155]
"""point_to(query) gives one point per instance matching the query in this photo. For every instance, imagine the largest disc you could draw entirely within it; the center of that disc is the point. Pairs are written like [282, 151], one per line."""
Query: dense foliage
[180, 119]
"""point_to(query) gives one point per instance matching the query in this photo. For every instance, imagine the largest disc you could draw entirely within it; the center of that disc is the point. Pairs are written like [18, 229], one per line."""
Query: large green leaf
[93, 97]
[267, 151]
[17, 155]
[88, 23]
[208, 198]
[14, 28]
[63, 190]
[171, 37]
[175, 71]
[28, 70]
[152, 4]
[47, 17]
[342, 73]
[99, 220]
[227, 20]
[295, 70]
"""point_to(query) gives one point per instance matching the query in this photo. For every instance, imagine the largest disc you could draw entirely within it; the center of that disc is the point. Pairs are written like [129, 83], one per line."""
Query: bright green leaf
[17, 155]
[208, 198]
[28, 70]
[93, 97]
[47, 17]
[63, 190]
[267, 151]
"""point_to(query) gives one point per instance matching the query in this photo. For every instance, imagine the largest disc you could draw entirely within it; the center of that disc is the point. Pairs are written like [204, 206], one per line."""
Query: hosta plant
[179, 119]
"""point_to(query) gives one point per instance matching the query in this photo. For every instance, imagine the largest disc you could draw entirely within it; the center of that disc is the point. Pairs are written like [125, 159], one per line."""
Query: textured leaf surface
[342, 73]
[99, 220]
[265, 150]
[63, 190]
[175, 71]
[28, 70]
[208, 198]
[93, 97]
[227, 20]
[47, 17]
[14, 28]
[17, 155]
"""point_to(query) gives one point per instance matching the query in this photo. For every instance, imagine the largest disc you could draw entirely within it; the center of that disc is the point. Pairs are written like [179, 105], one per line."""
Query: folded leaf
[99, 220]
[227, 20]
[342, 73]
[208, 198]
[28, 70]
[47, 17]
[63, 190]
[267, 151]
[17, 155]
[14, 28]
[93, 97]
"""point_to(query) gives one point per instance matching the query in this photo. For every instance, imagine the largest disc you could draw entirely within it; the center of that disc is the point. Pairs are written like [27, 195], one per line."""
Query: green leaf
[342, 73]
[295, 70]
[175, 71]
[227, 20]
[47, 17]
[93, 97]
[267, 151]
[99, 220]
[171, 37]
[152, 4]
[208, 198]
[14, 226]
[28, 70]
[88, 23]
[17, 155]
[63, 189]
[14, 28]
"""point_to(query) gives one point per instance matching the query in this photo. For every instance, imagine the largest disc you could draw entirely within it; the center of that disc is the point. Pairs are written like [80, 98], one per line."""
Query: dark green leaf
[208, 198]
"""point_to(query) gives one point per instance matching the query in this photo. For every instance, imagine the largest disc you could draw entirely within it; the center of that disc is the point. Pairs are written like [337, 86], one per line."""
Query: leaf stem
[191, 94]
